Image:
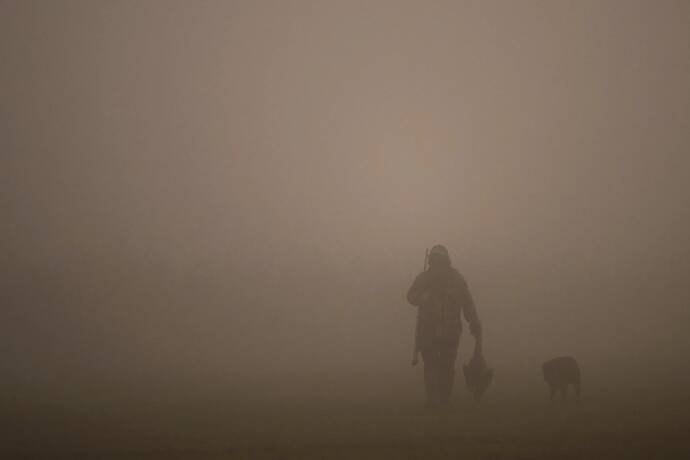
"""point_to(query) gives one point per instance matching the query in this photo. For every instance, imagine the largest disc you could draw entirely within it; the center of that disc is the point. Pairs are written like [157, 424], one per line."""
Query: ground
[498, 428]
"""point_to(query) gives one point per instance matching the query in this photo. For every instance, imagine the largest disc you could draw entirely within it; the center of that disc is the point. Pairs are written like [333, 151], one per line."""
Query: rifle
[415, 349]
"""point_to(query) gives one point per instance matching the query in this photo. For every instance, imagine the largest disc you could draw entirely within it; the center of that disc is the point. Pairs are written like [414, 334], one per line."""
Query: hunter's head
[438, 257]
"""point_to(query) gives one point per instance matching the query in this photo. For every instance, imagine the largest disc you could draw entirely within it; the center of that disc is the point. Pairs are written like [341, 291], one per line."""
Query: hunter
[441, 294]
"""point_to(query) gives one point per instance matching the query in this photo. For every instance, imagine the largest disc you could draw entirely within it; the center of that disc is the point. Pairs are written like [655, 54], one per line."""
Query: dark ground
[501, 427]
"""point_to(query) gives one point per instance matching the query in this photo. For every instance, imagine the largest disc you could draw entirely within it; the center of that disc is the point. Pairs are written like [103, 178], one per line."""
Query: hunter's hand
[425, 297]
[476, 330]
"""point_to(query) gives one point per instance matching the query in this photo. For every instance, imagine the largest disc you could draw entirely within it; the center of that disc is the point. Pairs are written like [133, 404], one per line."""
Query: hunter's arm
[416, 291]
[468, 308]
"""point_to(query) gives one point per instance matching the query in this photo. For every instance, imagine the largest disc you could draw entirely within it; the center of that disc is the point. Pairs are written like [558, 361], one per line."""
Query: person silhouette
[442, 296]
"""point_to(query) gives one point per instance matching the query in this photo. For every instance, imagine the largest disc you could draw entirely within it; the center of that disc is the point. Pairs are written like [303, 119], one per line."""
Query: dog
[561, 372]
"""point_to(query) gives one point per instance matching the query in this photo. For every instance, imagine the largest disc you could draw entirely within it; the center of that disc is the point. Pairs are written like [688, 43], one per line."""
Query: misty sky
[193, 187]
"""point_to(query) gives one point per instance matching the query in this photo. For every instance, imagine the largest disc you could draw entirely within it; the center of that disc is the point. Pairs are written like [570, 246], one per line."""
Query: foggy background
[229, 200]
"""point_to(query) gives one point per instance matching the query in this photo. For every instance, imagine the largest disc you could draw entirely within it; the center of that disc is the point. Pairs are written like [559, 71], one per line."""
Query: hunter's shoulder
[457, 276]
[422, 276]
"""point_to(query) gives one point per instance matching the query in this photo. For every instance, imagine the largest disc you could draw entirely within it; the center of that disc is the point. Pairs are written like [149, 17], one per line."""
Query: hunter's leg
[447, 371]
[431, 358]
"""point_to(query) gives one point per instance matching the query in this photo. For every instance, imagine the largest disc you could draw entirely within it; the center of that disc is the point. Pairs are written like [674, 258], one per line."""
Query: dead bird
[478, 375]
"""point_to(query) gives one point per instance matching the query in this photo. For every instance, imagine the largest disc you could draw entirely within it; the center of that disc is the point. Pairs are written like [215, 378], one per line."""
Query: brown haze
[214, 209]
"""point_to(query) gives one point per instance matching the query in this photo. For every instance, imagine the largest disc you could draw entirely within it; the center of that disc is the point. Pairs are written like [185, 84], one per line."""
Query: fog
[226, 202]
